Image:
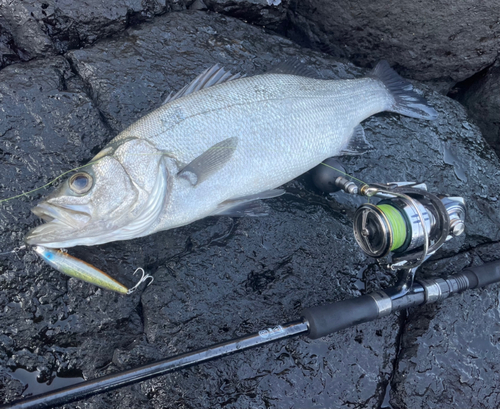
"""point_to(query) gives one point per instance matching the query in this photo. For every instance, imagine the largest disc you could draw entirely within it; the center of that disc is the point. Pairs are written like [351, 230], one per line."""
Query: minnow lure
[74, 267]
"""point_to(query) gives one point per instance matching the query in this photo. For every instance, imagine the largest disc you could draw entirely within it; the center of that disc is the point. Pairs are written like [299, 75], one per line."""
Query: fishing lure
[74, 267]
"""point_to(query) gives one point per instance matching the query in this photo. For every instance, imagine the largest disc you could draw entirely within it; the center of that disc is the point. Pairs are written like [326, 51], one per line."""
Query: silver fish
[216, 148]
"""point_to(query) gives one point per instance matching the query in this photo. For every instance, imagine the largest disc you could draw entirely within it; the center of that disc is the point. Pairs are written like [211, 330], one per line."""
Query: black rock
[449, 352]
[42, 25]
[269, 13]
[426, 40]
[28, 34]
[8, 50]
[482, 99]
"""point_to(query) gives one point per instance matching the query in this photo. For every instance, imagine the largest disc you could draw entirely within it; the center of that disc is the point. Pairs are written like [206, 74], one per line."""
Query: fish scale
[218, 150]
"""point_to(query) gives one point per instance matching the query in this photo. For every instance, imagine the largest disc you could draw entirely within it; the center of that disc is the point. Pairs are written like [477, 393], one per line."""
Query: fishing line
[25, 194]
[16, 250]
[46, 185]
[397, 223]
[345, 174]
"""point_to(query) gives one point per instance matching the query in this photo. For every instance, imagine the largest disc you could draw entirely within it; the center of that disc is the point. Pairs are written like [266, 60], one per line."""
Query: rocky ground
[73, 77]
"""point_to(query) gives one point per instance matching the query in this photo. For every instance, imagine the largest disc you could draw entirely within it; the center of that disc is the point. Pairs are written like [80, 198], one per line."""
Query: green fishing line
[25, 194]
[398, 225]
[345, 174]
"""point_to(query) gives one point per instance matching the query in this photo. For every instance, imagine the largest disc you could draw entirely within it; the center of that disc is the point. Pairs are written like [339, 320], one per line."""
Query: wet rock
[28, 34]
[269, 13]
[8, 50]
[449, 352]
[426, 40]
[67, 24]
[482, 100]
[217, 278]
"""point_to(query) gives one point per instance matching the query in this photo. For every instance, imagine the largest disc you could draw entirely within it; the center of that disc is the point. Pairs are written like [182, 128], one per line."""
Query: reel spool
[409, 222]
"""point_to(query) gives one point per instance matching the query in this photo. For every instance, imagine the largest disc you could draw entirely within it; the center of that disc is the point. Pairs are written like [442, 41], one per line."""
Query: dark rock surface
[27, 34]
[220, 277]
[268, 13]
[449, 352]
[482, 100]
[426, 39]
[73, 24]
[42, 26]
[8, 51]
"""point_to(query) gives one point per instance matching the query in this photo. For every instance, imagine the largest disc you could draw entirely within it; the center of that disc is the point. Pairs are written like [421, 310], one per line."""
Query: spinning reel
[404, 227]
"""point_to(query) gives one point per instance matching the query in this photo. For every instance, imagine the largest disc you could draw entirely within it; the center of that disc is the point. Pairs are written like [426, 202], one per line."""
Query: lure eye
[80, 182]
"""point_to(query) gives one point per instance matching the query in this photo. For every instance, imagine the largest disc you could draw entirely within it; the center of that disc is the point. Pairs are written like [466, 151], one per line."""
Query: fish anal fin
[209, 161]
[357, 144]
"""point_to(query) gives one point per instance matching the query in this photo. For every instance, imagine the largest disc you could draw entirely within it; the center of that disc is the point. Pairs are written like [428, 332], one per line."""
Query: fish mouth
[71, 215]
[63, 223]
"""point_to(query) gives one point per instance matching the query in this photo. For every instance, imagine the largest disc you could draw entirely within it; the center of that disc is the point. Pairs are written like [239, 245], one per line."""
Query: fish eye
[80, 182]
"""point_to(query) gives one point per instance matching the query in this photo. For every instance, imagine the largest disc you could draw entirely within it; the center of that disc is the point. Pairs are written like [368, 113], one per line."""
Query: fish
[74, 267]
[218, 147]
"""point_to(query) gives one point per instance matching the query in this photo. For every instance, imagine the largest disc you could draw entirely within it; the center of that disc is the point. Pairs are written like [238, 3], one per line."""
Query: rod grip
[481, 276]
[329, 318]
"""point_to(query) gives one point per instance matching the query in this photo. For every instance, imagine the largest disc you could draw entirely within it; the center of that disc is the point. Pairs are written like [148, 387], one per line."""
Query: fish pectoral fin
[209, 161]
[209, 77]
[247, 205]
[357, 144]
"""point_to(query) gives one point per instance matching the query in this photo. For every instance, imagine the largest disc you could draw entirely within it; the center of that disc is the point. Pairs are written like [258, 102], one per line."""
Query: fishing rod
[401, 230]
[316, 322]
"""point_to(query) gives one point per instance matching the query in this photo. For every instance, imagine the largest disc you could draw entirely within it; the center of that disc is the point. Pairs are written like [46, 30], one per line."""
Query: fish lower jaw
[50, 235]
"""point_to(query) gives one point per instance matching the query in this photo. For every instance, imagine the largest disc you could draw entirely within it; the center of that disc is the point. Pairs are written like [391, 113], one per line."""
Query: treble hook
[143, 279]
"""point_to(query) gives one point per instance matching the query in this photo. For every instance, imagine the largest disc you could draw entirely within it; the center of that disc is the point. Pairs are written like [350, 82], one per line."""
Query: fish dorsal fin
[293, 66]
[209, 161]
[357, 144]
[209, 77]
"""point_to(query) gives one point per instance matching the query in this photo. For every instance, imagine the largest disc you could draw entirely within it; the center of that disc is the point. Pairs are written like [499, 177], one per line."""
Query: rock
[449, 352]
[426, 40]
[269, 13]
[160, 53]
[29, 36]
[482, 100]
[66, 24]
[217, 278]
[8, 51]
[198, 5]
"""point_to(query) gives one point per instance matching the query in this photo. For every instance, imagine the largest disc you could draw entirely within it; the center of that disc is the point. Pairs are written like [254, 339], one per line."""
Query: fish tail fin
[406, 100]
